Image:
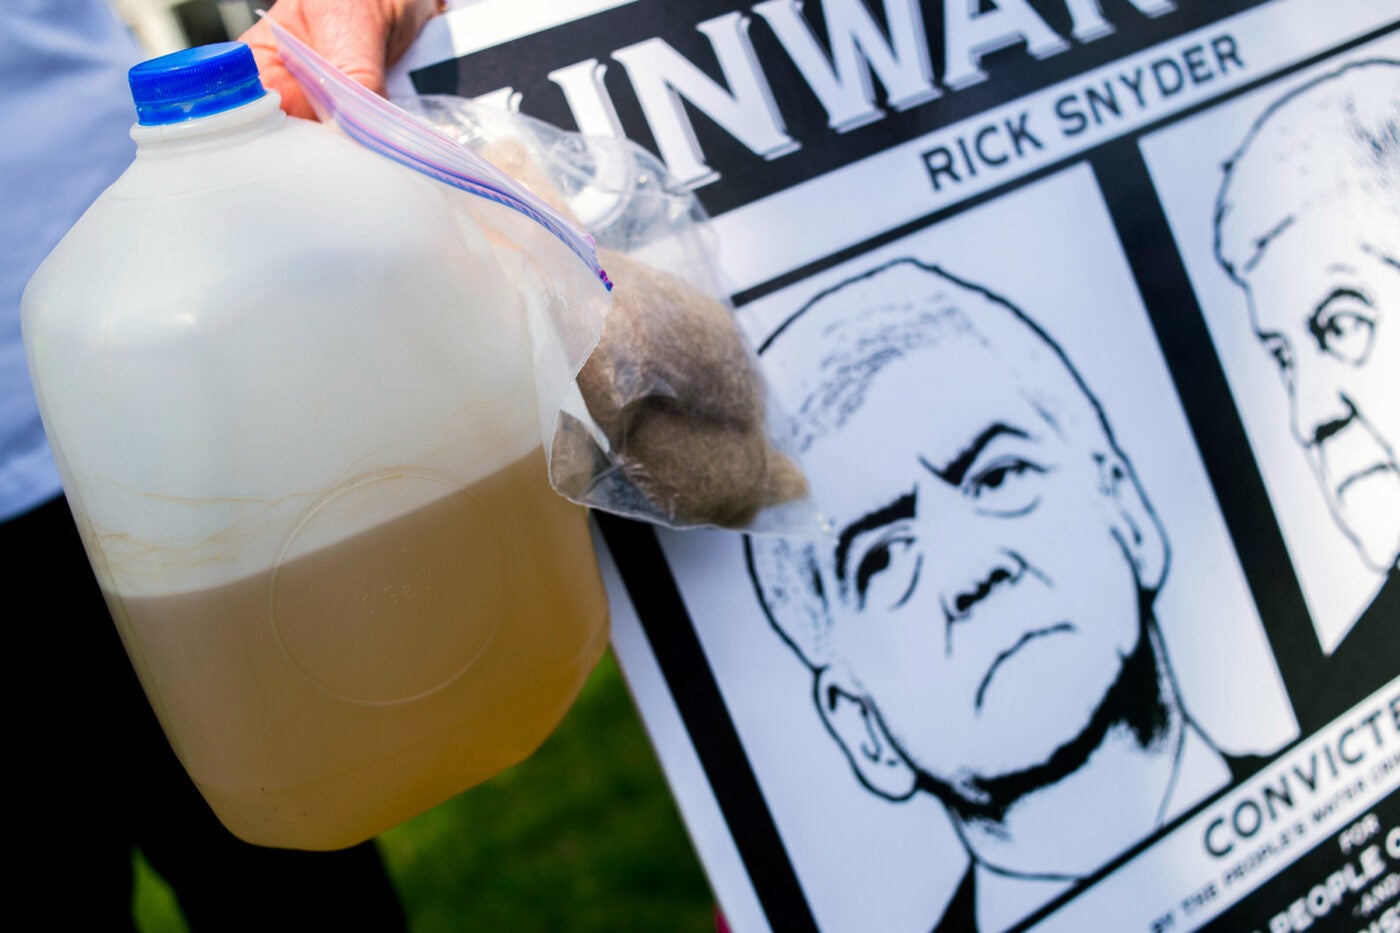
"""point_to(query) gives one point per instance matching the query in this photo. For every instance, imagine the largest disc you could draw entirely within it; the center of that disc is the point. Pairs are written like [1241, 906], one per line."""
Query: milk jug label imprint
[396, 611]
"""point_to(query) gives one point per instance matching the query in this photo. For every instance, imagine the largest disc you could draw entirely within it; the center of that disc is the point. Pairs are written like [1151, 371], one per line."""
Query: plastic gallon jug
[290, 396]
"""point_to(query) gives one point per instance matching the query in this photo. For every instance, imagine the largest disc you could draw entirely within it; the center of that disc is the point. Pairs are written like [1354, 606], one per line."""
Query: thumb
[274, 74]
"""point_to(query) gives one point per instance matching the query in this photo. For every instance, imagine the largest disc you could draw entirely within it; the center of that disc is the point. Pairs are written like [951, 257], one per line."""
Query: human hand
[360, 37]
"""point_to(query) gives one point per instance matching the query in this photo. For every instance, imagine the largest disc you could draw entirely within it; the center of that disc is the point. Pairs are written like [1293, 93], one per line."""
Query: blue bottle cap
[194, 83]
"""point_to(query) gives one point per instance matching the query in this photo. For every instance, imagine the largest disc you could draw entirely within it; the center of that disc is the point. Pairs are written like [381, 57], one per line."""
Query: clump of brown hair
[674, 389]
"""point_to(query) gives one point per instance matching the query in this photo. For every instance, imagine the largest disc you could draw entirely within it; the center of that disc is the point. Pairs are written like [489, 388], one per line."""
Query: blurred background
[170, 25]
[582, 836]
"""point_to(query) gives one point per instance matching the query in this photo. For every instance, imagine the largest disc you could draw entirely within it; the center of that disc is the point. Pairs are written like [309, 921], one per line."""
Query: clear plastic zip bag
[652, 404]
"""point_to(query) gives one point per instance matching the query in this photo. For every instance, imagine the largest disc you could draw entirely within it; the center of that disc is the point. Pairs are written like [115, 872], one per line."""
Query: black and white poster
[1084, 317]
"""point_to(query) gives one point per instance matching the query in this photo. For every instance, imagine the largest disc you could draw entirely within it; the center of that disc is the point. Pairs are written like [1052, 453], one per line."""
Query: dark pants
[93, 776]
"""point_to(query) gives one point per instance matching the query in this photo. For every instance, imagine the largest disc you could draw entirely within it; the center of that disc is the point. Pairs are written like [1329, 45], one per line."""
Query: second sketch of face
[1308, 224]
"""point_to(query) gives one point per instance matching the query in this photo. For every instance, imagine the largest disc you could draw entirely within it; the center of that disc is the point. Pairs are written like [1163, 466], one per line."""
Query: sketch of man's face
[988, 599]
[1321, 296]
[1308, 222]
[986, 583]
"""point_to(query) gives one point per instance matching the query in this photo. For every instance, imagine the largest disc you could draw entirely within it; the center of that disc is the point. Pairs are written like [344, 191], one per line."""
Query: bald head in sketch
[1308, 224]
[980, 627]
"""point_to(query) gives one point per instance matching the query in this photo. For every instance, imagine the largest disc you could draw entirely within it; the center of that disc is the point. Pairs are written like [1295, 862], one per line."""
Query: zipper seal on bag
[392, 132]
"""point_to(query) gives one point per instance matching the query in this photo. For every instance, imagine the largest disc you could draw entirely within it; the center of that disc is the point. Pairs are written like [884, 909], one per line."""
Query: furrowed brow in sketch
[980, 628]
[1308, 224]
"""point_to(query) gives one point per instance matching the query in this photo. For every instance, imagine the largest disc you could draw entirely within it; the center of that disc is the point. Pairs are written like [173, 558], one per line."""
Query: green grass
[153, 902]
[582, 836]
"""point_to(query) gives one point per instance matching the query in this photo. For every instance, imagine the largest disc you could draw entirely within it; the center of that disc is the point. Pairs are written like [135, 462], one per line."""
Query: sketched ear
[1137, 528]
[855, 724]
